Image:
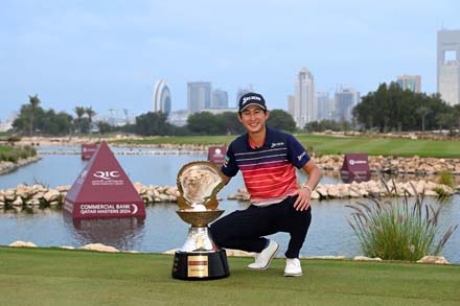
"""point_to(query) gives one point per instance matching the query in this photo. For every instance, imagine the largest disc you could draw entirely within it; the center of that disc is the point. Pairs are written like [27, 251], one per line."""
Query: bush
[445, 178]
[392, 230]
[14, 154]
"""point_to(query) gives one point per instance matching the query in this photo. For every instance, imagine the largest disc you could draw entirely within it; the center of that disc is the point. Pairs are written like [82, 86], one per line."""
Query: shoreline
[99, 247]
[7, 167]
[39, 198]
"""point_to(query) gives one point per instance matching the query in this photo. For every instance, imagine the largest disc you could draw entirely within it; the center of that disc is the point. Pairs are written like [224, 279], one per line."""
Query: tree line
[389, 108]
[33, 120]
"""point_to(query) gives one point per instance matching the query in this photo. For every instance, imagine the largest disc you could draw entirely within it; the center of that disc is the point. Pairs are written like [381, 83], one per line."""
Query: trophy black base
[200, 265]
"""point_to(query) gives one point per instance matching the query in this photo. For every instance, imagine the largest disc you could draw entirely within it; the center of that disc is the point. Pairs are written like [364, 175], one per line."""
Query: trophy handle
[181, 203]
[212, 203]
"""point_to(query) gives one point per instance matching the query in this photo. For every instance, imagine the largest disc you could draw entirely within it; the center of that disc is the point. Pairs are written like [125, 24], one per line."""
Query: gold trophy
[199, 258]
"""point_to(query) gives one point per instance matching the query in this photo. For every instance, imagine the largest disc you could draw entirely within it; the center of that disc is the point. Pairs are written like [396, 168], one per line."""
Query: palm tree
[89, 111]
[445, 120]
[422, 111]
[80, 111]
[34, 101]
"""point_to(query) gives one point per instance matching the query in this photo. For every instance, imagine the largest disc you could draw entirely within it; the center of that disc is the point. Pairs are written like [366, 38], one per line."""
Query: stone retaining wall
[31, 198]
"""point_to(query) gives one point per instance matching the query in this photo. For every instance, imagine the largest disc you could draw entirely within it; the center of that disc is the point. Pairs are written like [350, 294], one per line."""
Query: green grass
[326, 145]
[49, 276]
[382, 146]
[6, 149]
[15, 153]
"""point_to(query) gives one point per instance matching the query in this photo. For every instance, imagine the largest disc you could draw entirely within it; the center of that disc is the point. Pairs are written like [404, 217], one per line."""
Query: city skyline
[108, 55]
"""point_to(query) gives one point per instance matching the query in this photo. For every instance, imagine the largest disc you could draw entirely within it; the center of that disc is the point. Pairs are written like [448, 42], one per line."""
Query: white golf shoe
[264, 258]
[293, 267]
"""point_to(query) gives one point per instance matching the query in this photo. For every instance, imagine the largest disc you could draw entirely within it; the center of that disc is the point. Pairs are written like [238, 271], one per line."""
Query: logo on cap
[246, 99]
[251, 98]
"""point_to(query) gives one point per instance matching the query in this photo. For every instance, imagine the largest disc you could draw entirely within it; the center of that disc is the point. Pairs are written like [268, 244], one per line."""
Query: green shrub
[445, 178]
[396, 230]
[14, 154]
[12, 157]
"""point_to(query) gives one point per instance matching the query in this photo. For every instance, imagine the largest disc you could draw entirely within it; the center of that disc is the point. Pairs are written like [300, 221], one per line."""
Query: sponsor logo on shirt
[301, 155]
[277, 144]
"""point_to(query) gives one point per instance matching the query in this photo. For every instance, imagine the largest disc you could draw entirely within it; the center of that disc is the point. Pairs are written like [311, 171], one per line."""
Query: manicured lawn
[326, 145]
[48, 276]
[383, 146]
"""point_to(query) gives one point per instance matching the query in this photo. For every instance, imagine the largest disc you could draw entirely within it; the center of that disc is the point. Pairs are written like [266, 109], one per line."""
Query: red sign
[87, 150]
[216, 154]
[355, 168]
[103, 190]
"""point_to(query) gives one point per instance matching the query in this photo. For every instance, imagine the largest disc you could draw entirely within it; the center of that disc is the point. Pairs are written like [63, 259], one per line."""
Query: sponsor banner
[216, 154]
[355, 168]
[87, 150]
[103, 189]
[101, 210]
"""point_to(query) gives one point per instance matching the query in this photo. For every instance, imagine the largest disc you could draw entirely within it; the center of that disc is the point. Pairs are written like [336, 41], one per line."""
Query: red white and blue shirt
[269, 172]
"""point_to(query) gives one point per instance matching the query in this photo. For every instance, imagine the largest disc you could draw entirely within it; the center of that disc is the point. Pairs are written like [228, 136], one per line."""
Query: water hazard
[162, 229]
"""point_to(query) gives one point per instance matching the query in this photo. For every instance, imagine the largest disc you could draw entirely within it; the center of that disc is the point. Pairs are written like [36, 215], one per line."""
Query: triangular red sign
[355, 168]
[103, 190]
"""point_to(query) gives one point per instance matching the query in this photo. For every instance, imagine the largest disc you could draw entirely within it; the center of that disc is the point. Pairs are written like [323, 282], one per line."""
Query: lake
[162, 229]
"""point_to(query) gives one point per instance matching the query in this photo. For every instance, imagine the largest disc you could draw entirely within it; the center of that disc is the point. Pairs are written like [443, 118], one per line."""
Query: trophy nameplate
[199, 258]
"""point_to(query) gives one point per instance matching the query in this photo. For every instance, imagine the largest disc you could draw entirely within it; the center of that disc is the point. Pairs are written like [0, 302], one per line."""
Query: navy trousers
[245, 229]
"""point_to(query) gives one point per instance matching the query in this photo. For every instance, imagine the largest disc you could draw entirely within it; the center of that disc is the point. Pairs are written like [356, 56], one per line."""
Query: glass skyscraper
[305, 105]
[162, 98]
[198, 96]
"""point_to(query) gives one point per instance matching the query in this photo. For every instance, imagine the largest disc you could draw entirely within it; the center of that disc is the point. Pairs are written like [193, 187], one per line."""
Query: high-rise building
[449, 66]
[291, 105]
[241, 92]
[325, 107]
[198, 96]
[411, 82]
[219, 99]
[305, 105]
[345, 100]
[162, 97]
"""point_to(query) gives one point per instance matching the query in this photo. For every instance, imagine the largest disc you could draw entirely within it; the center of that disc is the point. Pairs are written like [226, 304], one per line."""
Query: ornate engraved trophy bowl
[199, 258]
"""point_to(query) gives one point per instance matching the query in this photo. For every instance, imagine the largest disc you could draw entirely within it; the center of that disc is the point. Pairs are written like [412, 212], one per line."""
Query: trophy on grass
[199, 258]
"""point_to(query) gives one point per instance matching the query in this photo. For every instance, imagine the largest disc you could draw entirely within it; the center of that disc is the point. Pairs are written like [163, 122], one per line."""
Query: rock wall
[38, 197]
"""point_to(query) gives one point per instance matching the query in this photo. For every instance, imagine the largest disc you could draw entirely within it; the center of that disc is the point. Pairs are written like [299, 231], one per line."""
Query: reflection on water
[119, 232]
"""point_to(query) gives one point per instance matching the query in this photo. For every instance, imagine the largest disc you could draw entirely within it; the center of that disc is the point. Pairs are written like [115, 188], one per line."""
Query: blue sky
[108, 54]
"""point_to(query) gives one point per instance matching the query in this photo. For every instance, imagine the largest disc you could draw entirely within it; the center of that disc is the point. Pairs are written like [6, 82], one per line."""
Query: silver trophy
[199, 258]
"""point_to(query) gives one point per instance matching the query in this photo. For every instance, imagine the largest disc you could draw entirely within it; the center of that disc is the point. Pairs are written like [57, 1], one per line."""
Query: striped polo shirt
[269, 172]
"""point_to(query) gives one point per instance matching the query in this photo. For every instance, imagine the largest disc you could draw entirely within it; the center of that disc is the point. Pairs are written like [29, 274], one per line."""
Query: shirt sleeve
[229, 167]
[297, 154]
